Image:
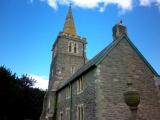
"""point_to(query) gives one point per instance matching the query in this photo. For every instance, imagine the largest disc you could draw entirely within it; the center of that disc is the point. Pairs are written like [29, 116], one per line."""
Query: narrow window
[70, 47]
[61, 116]
[73, 68]
[75, 48]
[80, 85]
[80, 112]
[68, 113]
[68, 92]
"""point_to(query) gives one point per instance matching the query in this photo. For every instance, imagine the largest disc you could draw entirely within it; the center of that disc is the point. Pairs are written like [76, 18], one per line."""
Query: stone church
[117, 84]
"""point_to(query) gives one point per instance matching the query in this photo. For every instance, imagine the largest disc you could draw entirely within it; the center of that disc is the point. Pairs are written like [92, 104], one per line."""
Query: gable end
[115, 43]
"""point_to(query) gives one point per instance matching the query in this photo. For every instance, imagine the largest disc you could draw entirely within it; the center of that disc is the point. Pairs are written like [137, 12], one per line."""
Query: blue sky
[28, 28]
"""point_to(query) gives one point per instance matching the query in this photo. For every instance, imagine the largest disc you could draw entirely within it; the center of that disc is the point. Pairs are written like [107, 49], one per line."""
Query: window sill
[79, 92]
[68, 97]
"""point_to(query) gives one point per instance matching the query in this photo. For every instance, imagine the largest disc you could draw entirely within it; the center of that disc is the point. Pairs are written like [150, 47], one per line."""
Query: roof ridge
[141, 56]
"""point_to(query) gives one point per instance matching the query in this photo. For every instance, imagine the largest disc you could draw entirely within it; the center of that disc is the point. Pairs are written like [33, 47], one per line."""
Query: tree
[33, 98]
[19, 100]
[9, 92]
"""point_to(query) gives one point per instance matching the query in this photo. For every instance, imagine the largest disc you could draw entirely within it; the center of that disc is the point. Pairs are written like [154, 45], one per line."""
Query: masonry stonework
[121, 65]
[87, 98]
[103, 80]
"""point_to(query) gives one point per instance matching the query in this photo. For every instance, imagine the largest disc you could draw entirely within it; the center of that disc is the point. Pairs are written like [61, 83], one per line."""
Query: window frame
[80, 112]
[68, 92]
[80, 85]
[70, 47]
[68, 117]
[61, 115]
[73, 69]
[75, 48]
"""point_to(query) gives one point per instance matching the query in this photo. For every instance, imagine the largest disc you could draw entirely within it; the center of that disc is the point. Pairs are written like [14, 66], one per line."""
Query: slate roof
[100, 56]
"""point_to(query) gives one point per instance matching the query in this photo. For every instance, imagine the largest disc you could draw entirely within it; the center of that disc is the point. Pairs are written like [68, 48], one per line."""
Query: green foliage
[26, 82]
[19, 100]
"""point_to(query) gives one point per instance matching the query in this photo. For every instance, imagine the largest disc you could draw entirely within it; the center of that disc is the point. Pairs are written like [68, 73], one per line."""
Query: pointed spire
[69, 26]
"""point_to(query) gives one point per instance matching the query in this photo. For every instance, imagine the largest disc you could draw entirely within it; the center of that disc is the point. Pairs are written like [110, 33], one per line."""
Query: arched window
[80, 112]
[73, 69]
[68, 113]
[61, 116]
[69, 47]
[68, 92]
[80, 86]
[75, 48]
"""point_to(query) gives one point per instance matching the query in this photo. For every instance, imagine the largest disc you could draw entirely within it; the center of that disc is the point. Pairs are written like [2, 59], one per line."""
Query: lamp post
[132, 99]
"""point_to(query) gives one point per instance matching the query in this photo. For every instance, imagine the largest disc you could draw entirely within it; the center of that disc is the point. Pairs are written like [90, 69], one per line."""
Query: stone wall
[87, 98]
[123, 64]
[63, 45]
[64, 60]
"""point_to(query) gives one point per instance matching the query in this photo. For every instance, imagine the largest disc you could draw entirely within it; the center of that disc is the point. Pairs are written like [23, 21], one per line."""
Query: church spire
[69, 27]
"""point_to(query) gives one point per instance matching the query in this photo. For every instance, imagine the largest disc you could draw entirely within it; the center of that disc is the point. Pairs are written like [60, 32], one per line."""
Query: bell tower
[68, 53]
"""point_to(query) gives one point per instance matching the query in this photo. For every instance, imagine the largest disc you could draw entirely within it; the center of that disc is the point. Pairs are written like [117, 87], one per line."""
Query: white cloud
[124, 5]
[145, 2]
[41, 81]
[90, 4]
[52, 3]
[149, 2]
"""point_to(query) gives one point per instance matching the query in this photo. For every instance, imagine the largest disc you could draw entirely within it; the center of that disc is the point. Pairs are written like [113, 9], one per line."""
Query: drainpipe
[71, 102]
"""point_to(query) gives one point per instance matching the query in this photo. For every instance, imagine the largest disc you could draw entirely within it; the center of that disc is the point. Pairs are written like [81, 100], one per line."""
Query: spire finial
[120, 22]
[118, 30]
[69, 27]
[70, 4]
